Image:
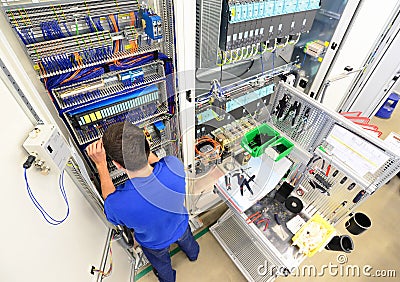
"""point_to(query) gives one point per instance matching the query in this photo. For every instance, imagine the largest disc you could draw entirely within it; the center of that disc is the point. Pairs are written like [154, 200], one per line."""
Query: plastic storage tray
[261, 137]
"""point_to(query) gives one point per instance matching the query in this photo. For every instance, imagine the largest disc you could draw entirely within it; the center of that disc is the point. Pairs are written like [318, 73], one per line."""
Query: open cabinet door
[370, 89]
[317, 50]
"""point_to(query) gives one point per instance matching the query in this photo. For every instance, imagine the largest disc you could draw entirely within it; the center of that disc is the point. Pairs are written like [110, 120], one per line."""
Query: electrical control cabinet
[248, 44]
[104, 62]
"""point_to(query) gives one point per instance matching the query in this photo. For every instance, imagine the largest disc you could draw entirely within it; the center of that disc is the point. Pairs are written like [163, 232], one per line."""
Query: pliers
[228, 182]
[243, 181]
[253, 217]
[280, 108]
[266, 220]
[293, 112]
[256, 218]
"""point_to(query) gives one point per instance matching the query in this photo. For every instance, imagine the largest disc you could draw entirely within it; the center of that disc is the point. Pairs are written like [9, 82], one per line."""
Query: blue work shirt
[153, 206]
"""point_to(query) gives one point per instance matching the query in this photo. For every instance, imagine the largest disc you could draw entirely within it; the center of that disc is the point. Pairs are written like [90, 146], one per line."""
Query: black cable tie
[155, 54]
[29, 161]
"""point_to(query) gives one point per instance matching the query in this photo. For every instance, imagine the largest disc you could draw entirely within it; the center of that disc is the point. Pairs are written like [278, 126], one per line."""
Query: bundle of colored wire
[26, 34]
[109, 271]
[83, 74]
[113, 24]
[135, 35]
[66, 29]
[73, 77]
[21, 35]
[45, 215]
[91, 26]
[216, 86]
[94, 24]
[131, 62]
[51, 30]
[205, 139]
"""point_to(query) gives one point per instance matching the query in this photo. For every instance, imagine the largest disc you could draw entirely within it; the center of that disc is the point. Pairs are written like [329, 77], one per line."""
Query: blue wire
[89, 24]
[45, 215]
[21, 36]
[110, 25]
[262, 64]
[273, 63]
[66, 29]
[98, 24]
[304, 59]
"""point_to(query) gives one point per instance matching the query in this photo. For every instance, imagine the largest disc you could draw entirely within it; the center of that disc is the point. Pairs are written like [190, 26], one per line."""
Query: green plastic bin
[283, 147]
[256, 140]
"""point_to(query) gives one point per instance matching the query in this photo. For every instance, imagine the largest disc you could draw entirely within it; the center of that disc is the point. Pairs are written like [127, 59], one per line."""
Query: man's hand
[153, 158]
[97, 153]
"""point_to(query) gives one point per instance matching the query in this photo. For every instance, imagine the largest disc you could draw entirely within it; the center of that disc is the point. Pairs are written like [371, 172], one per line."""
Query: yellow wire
[15, 21]
[230, 57]
[87, 8]
[108, 272]
[220, 57]
[22, 18]
[217, 118]
[116, 4]
[54, 11]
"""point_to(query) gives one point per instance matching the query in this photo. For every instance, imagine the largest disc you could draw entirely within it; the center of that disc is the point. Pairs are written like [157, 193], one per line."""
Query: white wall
[367, 27]
[31, 249]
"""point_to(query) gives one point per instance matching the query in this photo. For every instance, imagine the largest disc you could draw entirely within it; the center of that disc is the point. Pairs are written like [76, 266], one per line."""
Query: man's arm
[153, 158]
[98, 155]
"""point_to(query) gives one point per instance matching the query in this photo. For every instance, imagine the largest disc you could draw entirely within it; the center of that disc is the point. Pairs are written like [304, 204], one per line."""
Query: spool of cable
[294, 204]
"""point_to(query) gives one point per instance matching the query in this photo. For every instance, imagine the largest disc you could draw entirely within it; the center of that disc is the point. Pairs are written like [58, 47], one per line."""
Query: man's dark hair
[126, 144]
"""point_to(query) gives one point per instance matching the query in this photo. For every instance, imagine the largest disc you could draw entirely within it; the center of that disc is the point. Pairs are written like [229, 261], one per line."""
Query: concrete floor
[377, 249]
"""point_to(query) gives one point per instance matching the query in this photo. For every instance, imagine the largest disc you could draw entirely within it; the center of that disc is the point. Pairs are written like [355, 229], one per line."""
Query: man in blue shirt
[151, 202]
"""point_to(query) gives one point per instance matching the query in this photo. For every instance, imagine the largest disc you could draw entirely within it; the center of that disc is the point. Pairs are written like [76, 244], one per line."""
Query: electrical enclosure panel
[229, 31]
[48, 146]
[104, 62]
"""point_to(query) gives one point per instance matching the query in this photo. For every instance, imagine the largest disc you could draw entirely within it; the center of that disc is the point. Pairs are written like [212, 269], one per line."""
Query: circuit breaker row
[241, 34]
[241, 11]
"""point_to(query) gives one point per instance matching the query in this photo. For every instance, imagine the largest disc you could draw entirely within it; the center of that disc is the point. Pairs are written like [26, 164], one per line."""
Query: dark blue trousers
[161, 261]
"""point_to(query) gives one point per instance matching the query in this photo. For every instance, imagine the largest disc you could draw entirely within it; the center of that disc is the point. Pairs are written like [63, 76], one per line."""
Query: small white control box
[49, 146]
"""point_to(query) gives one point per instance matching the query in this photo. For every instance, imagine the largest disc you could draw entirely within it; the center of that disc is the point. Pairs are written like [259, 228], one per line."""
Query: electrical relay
[152, 25]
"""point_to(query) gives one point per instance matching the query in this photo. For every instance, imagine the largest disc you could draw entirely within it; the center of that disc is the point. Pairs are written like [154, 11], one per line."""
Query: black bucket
[341, 243]
[358, 223]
